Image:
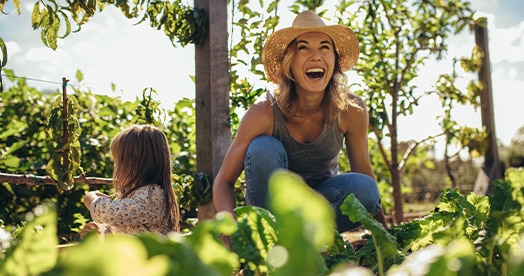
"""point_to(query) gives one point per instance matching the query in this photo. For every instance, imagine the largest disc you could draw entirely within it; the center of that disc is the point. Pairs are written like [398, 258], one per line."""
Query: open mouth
[315, 73]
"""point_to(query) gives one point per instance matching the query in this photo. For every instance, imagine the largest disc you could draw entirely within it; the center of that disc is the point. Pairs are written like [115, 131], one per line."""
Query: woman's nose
[315, 55]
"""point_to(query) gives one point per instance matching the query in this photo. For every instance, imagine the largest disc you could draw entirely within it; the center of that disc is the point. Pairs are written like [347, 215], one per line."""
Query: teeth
[315, 70]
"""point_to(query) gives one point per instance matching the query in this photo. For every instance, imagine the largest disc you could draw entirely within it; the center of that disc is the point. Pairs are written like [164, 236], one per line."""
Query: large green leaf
[183, 260]
[384, 243]
[256, 235]
[457, 258]
[36, 251]
[305, 224]
[113, 255]
[204, 239]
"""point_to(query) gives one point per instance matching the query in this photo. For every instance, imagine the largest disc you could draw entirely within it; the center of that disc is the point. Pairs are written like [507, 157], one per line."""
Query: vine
[64, 129]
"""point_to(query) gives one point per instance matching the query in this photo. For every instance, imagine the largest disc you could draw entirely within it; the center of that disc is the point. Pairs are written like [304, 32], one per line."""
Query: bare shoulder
[263, 110]
[355, 116]
[356, 103]
[258, 120]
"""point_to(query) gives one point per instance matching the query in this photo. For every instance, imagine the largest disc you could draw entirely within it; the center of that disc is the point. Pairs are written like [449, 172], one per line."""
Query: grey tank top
[316, 161]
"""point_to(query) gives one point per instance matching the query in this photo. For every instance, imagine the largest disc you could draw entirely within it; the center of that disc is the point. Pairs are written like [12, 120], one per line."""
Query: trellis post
[491, 169]
[213, 135]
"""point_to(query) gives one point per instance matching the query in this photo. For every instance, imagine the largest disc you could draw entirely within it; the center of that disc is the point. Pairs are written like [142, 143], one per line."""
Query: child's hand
[98, 193]
[88, 228]
[91, 196]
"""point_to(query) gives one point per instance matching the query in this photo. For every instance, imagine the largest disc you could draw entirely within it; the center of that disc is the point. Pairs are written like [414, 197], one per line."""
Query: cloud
[12, 47]
[507, 44]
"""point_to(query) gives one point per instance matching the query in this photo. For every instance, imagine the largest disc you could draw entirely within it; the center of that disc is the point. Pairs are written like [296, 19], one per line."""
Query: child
[144, 198]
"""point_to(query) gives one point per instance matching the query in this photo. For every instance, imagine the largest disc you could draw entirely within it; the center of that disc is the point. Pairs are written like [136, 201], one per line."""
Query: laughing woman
[302, 126]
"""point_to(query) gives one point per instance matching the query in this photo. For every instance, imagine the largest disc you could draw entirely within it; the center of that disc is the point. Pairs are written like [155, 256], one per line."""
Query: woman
[303, 126]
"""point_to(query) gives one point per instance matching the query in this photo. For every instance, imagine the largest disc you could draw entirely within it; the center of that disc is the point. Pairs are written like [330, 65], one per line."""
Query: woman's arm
[257, 121]
[354, 125]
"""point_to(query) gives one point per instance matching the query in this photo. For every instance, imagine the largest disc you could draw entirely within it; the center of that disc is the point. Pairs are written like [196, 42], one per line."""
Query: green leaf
[305, 226]
[458, 258]
[384, 242]
[113, 255]
[183, 260]
[516, 258]
[36, 16]
[256, 235]
[36, 251]
[10, 161]
[504, 224]
[204, 240]
[3, 48]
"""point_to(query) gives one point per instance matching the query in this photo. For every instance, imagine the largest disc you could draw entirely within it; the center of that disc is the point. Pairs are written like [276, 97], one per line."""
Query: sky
[110, 49]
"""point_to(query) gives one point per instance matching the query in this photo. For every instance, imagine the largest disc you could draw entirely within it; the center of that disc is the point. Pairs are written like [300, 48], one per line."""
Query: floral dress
[140, 212]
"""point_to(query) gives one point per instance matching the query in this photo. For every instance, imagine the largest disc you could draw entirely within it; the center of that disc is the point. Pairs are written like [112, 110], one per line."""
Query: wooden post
[491, 169]
[213, 134]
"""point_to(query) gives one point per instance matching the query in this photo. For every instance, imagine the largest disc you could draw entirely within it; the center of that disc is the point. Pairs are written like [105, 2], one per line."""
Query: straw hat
[346, 43]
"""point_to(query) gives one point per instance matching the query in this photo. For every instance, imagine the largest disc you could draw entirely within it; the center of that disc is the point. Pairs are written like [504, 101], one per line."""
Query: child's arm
[92, 196]
[144, 206]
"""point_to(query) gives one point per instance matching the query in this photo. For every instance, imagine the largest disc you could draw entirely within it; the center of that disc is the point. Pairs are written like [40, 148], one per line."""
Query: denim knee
[339, 187]
[264, 155]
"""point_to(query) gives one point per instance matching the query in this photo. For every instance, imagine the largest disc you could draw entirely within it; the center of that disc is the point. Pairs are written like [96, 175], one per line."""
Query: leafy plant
[64, 129]
[463, 236]
[27, 147]
[35, 248]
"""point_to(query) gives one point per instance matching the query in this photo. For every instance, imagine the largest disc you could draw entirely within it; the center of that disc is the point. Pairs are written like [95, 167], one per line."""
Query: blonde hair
[142, 157]
[337, 93]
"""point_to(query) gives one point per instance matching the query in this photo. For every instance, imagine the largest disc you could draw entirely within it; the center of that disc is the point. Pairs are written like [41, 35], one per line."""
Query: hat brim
[345, 40]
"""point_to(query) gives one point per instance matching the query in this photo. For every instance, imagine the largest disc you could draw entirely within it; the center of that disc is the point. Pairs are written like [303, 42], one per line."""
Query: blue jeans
[265, 154]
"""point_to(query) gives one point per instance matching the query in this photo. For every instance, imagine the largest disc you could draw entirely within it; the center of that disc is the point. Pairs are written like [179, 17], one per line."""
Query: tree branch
[34, 180]
[381, 149]
[412, 148]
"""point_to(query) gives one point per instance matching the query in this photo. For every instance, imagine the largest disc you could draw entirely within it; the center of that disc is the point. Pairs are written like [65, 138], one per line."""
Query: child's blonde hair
[142, 157]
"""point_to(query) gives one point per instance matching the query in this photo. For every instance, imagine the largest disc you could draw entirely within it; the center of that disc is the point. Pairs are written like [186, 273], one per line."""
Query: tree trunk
[394, 167]
[397, 196]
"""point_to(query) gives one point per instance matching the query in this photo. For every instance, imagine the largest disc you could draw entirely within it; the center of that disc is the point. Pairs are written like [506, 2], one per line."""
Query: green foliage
[180, 22]
[254, 238]
[398, 37]
[35, 248]
[3, 60]
[450, 96]
[465, 235]
[118, 255]
[504, 224]
[64, 129]
[300, 238]
[26, 147]
[513, 154]
[249, 29]
[309, 4]
[305, 226]
[384, 244]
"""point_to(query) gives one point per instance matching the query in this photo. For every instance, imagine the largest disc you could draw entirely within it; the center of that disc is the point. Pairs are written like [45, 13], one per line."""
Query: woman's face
[314, 62]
